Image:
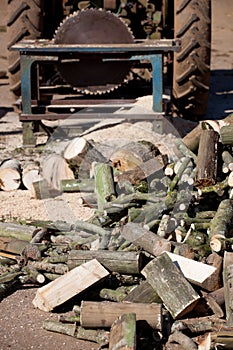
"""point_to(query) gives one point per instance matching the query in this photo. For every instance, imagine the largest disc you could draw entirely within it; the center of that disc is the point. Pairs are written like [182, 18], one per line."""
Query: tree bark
[10, 175]
[104, 184]
[228, 285]
[221, 224]
[122, 262]
[123, 333]
[177, 294]
[207, 159]
[103, 314]
[226, 135]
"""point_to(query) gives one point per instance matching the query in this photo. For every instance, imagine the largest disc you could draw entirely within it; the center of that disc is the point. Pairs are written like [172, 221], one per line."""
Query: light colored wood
[176, 292]
[72, 283]
[30, 174]
[196, 272]
[10, 179]
[54, 169]
[103, 314]
[74, 148]
[123, 333]
[142, 171]
[125, 160]
[207, 159]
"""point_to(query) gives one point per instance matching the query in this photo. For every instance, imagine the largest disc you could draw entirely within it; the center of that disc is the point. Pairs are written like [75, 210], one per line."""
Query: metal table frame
[46, 51]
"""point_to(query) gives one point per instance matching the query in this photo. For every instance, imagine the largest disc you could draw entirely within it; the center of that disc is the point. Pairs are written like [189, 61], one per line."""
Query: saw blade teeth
[67, 31]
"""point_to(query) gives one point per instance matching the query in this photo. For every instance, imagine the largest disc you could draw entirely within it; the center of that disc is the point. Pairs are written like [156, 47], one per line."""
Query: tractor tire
[24, 22]
[29, 19]
[191, 66]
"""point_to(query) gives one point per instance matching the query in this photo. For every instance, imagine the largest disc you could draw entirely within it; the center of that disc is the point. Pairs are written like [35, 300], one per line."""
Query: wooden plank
[72, 283]
[103, 314]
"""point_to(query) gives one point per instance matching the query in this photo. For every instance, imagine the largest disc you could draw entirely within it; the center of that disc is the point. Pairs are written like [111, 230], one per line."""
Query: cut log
[133, 154]
[228, 285]
[123, 333]
[227, 161]
[22, 232]
[75, 148]
[198, 324]
[11, 164]
[99, 336]
[54, 169]
[182, 166]
[230, 179]
[142, 171]
[72, 283]
[182, 340]
[221, 224]
[80, 154]
[214, 260]
[12, 245]
[125, 160]
[117, 295]
[54, 326]
[226, 135]
[103, 314]
[104, 184]
[10, 180]
[191, 140]
[10, 175]
[115, 261]
[87, 185]
[207, 159]
[147, 240]
[30, 174]
[143, 293]
[176, 292]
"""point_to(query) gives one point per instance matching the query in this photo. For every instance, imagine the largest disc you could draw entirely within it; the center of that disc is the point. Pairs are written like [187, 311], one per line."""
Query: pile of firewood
[152, 267]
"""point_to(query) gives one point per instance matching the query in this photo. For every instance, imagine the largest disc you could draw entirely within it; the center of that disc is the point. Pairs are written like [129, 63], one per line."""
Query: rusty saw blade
[92, 74]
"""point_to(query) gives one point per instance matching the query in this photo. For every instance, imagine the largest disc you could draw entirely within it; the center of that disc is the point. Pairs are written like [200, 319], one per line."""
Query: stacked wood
[148, 266]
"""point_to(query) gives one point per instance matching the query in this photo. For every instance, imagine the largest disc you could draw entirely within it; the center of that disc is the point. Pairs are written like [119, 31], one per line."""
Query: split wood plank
[72, 283]
[196, 272]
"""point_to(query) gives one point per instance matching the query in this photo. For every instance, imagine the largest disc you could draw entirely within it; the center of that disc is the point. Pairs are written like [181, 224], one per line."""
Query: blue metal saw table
[35, 52]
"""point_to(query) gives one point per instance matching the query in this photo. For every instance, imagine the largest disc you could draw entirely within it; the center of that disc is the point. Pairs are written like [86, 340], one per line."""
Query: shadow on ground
[221, 94]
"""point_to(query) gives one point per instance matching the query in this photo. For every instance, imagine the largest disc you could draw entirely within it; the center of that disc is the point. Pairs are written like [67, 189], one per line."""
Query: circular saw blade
[92, 74]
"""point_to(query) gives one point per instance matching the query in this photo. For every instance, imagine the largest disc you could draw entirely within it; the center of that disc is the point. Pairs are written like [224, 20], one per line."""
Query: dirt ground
[20, 323]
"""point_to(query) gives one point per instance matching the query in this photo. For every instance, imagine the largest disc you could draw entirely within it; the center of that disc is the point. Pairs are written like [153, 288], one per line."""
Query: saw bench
[36, 108]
